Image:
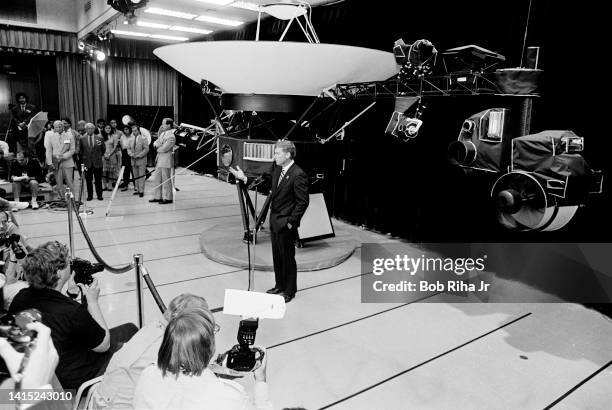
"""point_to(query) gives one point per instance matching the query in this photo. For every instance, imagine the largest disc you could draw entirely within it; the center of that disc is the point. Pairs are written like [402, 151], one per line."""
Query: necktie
[91, 140]
[280, 178]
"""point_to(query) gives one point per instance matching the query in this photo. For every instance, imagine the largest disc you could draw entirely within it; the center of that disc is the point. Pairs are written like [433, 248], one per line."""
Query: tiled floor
[331, 350]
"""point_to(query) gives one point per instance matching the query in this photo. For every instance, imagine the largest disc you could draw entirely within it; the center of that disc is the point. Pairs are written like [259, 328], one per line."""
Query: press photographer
[182, 379]
[84, 343]
[123, 372]
[13, 250]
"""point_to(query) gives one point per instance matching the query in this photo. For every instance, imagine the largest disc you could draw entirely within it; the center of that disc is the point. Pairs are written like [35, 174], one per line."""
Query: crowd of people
[60, 151]
[163, 365]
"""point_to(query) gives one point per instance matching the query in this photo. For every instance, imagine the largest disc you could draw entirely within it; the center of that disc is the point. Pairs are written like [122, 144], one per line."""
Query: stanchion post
[139, 298]
[68, 196]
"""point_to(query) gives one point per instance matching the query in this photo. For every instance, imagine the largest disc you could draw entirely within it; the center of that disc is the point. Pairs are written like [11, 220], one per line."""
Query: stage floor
[222, 243]
[331, 350]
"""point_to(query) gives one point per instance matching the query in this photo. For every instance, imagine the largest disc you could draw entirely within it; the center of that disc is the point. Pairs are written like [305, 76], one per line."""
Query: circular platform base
[223, 244]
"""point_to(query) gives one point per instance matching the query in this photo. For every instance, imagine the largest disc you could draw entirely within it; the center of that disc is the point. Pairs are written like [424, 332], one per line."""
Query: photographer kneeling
[83, 341]
[182, 379]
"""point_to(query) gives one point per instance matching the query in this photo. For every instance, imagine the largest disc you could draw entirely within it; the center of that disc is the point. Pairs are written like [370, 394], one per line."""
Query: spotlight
[100, 56]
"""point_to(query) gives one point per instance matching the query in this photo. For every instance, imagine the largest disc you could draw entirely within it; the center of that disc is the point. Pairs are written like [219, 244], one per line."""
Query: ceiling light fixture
[221, 21]
[130, 33]
[191, 29]
[173, 38]
[170, 13]
[152, 25]
[246, 5]
[148, 35]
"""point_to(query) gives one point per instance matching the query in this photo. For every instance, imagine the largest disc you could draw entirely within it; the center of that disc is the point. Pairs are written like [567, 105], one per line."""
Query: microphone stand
[252, 235]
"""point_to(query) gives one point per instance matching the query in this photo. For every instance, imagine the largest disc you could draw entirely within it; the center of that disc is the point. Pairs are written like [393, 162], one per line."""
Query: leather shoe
[90, 198]
[136, 193]
[166, 201]
[274, 291]
[100, 198]
[288, 298]
[155, 200]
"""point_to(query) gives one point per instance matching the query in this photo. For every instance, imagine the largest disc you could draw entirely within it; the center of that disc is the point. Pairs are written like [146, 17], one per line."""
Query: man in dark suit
[289, 200]
[92, 151]
[22, 114]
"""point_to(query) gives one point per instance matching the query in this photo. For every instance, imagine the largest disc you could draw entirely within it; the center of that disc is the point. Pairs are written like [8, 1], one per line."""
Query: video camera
[242, 357]
[14, 330]
[12, 241]
[84, 270]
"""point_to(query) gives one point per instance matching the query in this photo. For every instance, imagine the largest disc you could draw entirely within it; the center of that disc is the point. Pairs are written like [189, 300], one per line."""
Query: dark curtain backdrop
[86, 87]
[31, 39]
[408, 189]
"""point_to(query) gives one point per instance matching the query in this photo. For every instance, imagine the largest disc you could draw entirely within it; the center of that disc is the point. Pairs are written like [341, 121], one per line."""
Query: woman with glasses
[182, 380]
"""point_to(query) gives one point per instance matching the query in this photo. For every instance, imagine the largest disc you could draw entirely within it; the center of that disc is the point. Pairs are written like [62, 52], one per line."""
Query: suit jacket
[138, 150]
[91, 156]
[165, 144]
[20, 115]
[289, 199]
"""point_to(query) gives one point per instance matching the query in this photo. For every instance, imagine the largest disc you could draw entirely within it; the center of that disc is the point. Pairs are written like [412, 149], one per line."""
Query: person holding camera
[116, 391]
[13, 250]
[79, 331]
[182, 380]
[39, 370]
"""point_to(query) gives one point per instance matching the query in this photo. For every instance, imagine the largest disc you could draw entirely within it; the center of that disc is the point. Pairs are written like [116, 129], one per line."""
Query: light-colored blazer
[138, 150]
[165, 144]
